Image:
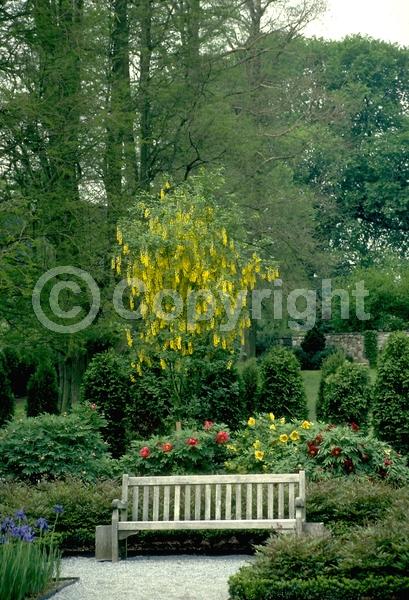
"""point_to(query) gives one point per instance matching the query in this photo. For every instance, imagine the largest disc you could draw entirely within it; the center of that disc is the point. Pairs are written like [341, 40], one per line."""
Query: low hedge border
[244, 586]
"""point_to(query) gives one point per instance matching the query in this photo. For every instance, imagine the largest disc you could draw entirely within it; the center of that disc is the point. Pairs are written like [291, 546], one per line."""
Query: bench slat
[135, 503]
[249, 501]
[155, 512]
[213, 479]
[231, 524]
[291, 501]
[227, 510]
[145, 508]
[281, 501]
[166, 502]
[259, 501]
[238, 501]
[176, 511]
[198, 500]
[208, 501]
[218, 503]
[187, 503]
[270, 501]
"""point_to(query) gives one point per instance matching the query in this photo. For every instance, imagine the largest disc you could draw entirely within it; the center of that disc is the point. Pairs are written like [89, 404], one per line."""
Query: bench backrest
[213, 497]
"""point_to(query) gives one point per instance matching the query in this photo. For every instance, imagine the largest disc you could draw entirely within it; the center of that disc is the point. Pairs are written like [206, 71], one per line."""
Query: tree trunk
[121, 171]
[145, 128]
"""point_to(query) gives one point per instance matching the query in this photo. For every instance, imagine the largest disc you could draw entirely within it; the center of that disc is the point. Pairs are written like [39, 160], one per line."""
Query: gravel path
[151, 578]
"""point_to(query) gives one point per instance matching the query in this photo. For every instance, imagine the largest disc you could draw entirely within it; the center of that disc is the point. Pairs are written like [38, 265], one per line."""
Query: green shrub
[213, 390]
[282, 387]
[349, 502]
[86, 504]
[149, 403]
[250, 376]
[390, 410]
[42, 391]
[20, 369]
[7, 402]
[181, 452]
[371, 347]
[312, 351]
[106, 384]
[365, 562]
[272, 445]
[328, 367]
[28, 564]
[347, 395]
[51, 446]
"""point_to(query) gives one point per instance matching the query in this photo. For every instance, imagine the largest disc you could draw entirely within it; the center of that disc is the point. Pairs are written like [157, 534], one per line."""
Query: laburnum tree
[188, 276]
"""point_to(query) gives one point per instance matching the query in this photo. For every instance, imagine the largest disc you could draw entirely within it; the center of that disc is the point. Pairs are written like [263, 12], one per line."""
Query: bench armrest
[299, 502]
[118, 504]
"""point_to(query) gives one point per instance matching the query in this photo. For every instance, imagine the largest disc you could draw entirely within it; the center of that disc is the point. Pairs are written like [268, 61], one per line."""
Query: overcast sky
[382, 19]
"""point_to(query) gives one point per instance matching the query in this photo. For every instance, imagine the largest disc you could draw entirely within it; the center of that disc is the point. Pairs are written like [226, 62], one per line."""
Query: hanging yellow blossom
[179, 246]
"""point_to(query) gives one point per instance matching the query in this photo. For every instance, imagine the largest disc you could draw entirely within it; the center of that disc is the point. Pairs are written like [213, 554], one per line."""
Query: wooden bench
[192, 502]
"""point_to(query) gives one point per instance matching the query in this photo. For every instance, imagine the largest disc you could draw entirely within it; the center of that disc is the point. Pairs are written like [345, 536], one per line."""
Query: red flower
[387, 462]
[336, 451]
[222, 437]
[318, 439]
[354, 426]
[348, 465]
[207, 425]
[167, 447]
[192, 441]
[312, 450]
[144, 452]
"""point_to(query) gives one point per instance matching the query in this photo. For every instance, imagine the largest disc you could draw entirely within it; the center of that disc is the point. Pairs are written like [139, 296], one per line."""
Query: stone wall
[351, 343]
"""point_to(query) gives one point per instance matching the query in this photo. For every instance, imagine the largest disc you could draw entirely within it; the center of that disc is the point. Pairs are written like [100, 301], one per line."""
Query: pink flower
[93, 406]
[222, 437]
[144, 452]
[192, 441]
[207, 425]
[354, 426]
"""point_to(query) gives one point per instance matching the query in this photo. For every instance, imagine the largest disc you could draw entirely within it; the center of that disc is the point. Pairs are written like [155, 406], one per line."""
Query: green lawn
[311, 384]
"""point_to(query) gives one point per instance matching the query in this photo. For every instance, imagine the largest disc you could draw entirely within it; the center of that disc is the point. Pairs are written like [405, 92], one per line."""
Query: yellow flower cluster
[182, 248]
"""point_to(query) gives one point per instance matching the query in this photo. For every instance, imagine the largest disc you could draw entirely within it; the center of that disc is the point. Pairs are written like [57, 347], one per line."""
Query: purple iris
[7, 524]
[23, 533]
[42, 524]
[58, 509]
[20, 515]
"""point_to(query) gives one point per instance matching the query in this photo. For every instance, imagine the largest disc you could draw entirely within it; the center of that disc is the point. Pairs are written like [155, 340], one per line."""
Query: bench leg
[103, 542]
[115, 550]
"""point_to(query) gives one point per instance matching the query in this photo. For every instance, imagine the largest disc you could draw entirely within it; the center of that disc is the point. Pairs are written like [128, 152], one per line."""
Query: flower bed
[275, 445]
[29, 558]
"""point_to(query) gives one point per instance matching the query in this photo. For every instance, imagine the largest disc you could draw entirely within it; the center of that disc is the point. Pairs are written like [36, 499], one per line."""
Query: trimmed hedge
[329, 366]
[371, 347]
[282, 388]
[391, 397]
[42, 391]
[347, 395]
[248, 587]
